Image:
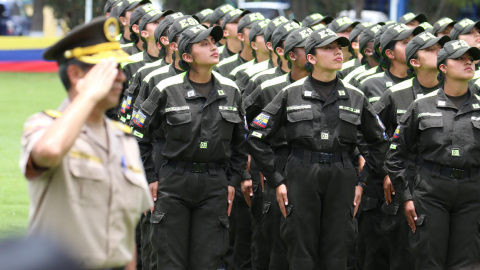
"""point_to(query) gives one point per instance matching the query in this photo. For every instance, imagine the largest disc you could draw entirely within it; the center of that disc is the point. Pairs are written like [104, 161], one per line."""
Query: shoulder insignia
[402, 86]
[268, 71]
[378, 75]
[354, 73]
[224, 80]
[242, 67]
[228, 60]
[256, 68]
[274, 81]
[53, 114]
[431, 94]
[122, 127]
[365, 74]
[351, 87]
[178, 79]
[134, 58]
[159, 71]
[297, 83]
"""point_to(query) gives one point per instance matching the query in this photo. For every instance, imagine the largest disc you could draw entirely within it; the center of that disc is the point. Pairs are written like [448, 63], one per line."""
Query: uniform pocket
[287, 226]
[229, 118]
[351, 230]
[179, 125]
[90, 178]
[432, 122]
[368, 203]
[348, 125]
[220, 240]
[158, 233]
[300, 124]
[419, 239]
[391, 219]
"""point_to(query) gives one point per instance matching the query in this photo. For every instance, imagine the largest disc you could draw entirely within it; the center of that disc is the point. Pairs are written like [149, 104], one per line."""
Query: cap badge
[444, 21]
[111, 29]
[459, 44]
[426, 36]
[344, 20]
[325, 33]
[466, 22]
[187, 22]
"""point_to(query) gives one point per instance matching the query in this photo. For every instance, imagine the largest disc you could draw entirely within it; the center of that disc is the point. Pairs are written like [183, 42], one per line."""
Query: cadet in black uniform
[124, 12]
[421, 55]
[442, 128]
[443, 27]
[201, 115]
[354, 49]
[136, 44]
[254, 103]
[411, 20]
[321, 116]
[315, 19]
[108, 7]
[216, 18]
[343, 26]
[203, 16]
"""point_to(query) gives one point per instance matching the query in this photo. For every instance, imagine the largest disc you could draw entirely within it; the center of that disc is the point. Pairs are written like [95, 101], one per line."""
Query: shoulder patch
[178, 79]
[242, 67]
[152, 64]
[297, 83]
[122, 127]
[403, 85]
[159, 71]
[228, 60]
[225, 81]
[265, 72]
[53, 113]
[274, 81]
[351, 87]
[354, 73]
[256, 68]
[431, 94]
[366, 73]
[378, 75]
[134, 58]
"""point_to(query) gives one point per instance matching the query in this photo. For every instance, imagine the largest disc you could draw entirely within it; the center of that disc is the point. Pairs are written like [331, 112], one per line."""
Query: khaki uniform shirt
[93, 200]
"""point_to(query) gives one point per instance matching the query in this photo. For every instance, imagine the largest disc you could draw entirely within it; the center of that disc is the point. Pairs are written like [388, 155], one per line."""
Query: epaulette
[53, 114]
[122, 127]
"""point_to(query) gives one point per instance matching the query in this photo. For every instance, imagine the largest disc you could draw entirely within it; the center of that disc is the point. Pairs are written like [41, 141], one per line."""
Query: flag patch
[261, 120]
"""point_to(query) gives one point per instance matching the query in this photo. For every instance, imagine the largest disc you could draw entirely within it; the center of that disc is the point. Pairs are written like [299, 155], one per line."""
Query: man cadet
[204, 17]
[315, 19]
[244, 76]
[86, 181]
[354, 50]
[124, 12]
[343, 26]
[411, 20]
[443, 27]
[366, 49]
[254, 103]
[277, 37]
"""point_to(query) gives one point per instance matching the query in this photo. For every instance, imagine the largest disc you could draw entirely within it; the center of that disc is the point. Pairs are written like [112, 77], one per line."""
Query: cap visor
[118, 56]
[343, 28]
[440, 40]
[474, 52]
[469, 28]
[326, 19]
[405, 34]
[343, 41]
[216, 32]
[421, 18]
[441, 29]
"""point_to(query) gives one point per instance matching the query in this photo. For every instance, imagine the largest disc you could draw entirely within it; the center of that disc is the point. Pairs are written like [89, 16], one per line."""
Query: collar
[216, 93]
[472, 104]
[338, 91]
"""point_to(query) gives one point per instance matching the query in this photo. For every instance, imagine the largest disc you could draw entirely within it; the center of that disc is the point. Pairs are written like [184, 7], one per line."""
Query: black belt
[317, 157]
[195, 167]
[453, 173]
[281, 150]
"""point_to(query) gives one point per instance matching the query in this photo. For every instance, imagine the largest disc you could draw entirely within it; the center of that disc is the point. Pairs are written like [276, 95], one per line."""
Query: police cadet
[254, 103]
[108, 7]
[136, 45]
[87, 184]
[248, 82]
[321, 116]
[366, 49]
[343, 25]
[421, 55]
[315, 19]
[392, 43]
[354, 50]
[273, 35]
[443, 27]
[216, 18]
[201, 115]
[160, 40]
[411, 20]
[442, 128]
[469, 31]
[124, 12]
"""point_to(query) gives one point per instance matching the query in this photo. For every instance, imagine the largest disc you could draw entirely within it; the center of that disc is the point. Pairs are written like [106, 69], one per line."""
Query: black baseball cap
[108, 6]
[423, 41]
[316, 18]
[124, 5]
[463, 27]
[397, 32]
[282, 32]
[454, 49]
[420, 17]
[296, 39]
[358, 29]
[368, 35]
[196, 34]
[442, 24]
[341, 24]
[167, 22]
[427, 26]
[322, 38]
[203, 15]
[248, 20]
[153, 16]
[82, 43]
[180, 25]
[234, 15]
[114, 13]
[219, 13]
[257, 29]
[138, 13]
[272, 25]
[378, 35]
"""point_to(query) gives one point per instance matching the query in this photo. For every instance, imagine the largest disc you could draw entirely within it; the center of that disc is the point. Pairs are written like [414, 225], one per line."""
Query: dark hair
[385, 62]
[184, 65]
[282, 45]
[411, 70]
[163, 50]
[308, 65]
[62, 70]
[441, 75]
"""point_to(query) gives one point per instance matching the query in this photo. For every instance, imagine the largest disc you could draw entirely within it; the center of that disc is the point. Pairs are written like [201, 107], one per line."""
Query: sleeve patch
[139, 119]
[257, 134]
[261, 120]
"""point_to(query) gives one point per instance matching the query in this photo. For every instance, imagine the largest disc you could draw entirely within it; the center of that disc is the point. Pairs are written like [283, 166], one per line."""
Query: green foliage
[193, 6]
[73, 11]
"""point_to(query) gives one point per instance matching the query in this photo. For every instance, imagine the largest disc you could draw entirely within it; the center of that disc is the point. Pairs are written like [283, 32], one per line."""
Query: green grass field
[23, 94]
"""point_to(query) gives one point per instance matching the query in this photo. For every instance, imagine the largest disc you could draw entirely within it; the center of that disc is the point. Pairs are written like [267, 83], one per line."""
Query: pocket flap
[476, 122]
[224, 221]
[350, 117]
[156, 217]
[179, 118]
[83, 165]
[432, 122]
[132, 87]
[420, 220]
[266, 207]
[135, 176]
[302, 115]
[368, 203]
[390, 209]
[231, 117]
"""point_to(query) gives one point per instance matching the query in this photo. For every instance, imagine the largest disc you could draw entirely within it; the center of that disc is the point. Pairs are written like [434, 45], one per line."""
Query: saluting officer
[87, 185]
[443, 129]
[202, 118]
[321, 116]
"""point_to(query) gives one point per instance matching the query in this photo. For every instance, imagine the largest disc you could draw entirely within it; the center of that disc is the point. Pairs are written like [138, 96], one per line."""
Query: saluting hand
[230, 196]
[282, 198]
[411, 215]
[99, 80]
[357, 199]
[247, 191]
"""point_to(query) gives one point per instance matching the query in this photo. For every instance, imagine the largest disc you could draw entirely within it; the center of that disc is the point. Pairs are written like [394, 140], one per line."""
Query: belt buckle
[324, 158]
[198, 167]
[456, 173]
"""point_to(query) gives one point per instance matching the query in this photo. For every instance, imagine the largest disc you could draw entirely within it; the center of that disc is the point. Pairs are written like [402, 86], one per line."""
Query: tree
[37, 18]
[191, 6]
[73, 11]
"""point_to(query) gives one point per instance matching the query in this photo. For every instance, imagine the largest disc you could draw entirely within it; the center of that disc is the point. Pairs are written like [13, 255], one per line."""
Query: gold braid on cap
[77, 52]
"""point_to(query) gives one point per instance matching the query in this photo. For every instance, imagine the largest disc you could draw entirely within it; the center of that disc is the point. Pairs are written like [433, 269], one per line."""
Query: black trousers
[319, 227]
[190, 223]
[448, 224]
